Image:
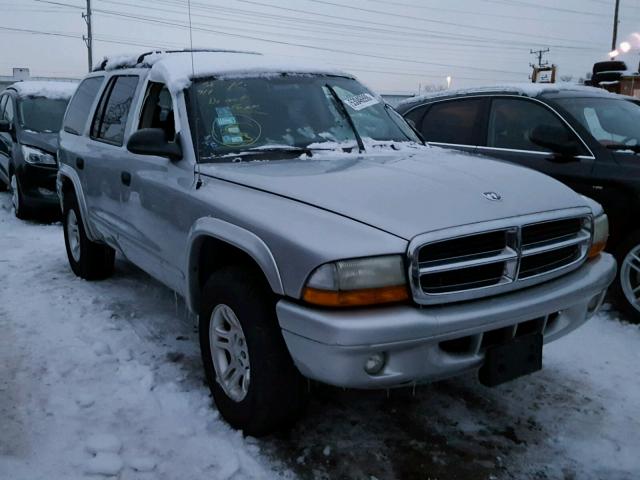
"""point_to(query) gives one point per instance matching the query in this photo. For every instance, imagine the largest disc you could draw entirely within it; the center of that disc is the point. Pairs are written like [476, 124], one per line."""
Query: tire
[88, 260]
[628, 278]
[20, 210]
[609, 66]
[274, 396]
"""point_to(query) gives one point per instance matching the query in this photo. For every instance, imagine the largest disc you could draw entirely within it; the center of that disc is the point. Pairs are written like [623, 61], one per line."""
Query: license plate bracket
[520, 356]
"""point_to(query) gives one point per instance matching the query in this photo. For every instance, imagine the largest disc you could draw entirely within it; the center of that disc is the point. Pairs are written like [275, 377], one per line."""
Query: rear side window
[80, 106]
[512, 120]
[3, 100]
[455, 122]
[9, 112]
[111, 117]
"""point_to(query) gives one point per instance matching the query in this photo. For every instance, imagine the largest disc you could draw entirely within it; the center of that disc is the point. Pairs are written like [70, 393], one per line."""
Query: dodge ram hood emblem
[493, 196]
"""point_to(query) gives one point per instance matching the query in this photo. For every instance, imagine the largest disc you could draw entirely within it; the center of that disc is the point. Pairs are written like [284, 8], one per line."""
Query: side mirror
[5, 127]
[153, 141]
[557, 139]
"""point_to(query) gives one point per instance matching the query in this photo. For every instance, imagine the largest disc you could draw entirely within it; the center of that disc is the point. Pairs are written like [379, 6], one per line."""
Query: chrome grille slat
[519, 252]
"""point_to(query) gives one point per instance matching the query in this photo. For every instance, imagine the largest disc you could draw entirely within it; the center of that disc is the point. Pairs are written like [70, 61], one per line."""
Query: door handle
[126, 178]
[80, 163]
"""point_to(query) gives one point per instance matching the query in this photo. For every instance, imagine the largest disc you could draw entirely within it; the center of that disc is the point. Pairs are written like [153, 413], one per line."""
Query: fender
[236, 236]
[68, 172]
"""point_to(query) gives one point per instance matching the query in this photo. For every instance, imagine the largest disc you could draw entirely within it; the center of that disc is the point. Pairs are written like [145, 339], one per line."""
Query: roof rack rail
[140, 61]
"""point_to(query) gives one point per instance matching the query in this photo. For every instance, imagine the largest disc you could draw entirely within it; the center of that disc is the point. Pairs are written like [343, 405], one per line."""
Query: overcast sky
[393, 45]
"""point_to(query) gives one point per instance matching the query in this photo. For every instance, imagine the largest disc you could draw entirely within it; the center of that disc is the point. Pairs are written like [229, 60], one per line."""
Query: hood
[406, 194]
[44, 141]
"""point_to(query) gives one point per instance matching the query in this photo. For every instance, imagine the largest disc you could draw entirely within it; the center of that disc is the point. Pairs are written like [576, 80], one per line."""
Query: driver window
[512, 120]
[157, 110]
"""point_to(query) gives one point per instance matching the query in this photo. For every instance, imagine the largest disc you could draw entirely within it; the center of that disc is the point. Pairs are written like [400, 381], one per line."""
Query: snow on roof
[525, 89]
[45, 88]
[177, 70]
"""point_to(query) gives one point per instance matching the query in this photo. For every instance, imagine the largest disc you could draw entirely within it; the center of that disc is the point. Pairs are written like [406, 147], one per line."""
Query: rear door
[451, 123]
[4, 158]
[7, 140]
[508, 126]
[106, 158]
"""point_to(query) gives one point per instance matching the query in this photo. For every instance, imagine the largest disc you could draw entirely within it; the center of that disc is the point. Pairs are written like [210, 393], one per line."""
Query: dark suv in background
[30, 119]
[585, 137]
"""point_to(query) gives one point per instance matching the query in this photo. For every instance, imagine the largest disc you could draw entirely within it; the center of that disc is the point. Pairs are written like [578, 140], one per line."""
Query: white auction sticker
[362, 101]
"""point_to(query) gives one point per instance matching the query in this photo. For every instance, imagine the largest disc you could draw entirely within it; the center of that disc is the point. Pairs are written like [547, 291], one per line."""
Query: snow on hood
[56, 90]
[408, 192]
[526, 89]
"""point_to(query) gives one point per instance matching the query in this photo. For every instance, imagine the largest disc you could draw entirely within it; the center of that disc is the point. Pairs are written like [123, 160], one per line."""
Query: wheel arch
[214, 243]
[68, 181]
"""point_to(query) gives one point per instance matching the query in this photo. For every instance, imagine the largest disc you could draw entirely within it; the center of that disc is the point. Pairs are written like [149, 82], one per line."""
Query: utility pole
[616, 17]
[540, 55]
[88, 39]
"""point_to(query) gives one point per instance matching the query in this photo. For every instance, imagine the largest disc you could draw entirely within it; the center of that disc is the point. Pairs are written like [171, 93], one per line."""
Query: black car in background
[585, 137]
[31, 115]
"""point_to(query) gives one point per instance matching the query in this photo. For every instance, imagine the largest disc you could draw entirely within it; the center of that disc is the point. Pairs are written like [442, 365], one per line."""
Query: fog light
[375, 363]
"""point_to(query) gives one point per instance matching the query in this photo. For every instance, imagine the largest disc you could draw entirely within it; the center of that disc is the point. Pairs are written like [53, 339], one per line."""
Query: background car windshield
[611, 121]
[236, 115]
[42, 114]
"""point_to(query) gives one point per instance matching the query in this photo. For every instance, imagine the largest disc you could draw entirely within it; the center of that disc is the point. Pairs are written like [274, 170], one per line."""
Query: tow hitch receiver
[520, 356]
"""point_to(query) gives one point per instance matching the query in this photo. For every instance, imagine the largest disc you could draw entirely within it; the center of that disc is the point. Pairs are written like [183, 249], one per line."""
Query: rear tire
[88, 260]
[628, 278]
[238, 313]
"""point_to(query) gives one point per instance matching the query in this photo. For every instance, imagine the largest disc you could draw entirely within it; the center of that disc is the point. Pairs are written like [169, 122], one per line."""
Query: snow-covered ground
[105, 378]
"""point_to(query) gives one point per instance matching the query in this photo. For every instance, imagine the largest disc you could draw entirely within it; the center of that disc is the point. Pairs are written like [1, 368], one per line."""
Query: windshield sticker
[362, 101]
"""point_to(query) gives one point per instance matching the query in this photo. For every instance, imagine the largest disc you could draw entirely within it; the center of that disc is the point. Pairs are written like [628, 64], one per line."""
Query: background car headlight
[37, 157]
[600, 235]
[358, 282]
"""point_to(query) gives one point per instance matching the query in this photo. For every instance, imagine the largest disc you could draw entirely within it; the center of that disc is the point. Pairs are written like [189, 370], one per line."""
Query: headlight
[600, 235]
[359, 282]
[37, 157]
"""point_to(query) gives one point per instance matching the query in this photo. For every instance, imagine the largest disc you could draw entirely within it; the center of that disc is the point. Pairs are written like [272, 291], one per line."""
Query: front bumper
[431, 343]
[38, 185]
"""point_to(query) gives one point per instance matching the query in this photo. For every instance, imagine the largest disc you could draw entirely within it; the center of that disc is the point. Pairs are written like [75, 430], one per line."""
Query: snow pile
[525, 89]
[55, 90]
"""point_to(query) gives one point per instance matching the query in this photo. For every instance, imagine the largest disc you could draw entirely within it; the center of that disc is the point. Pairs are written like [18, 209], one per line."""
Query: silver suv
[314, 234]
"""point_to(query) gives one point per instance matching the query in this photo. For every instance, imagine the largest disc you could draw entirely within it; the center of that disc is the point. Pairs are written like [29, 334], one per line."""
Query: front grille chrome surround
[489, 258]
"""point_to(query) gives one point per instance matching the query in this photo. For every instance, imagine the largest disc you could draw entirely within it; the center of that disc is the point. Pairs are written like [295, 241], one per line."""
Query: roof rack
[140, 62]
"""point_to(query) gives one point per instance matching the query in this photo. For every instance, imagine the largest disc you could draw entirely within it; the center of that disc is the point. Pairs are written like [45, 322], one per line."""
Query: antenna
[193, 103]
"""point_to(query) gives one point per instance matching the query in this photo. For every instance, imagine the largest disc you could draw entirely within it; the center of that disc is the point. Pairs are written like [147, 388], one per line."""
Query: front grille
[500, 259]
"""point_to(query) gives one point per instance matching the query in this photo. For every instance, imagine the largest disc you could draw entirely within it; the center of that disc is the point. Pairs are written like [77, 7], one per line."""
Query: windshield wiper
[622, 146]
[347, 115]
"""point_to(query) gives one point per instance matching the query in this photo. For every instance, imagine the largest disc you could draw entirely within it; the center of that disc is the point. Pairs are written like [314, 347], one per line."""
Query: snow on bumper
[333, 346]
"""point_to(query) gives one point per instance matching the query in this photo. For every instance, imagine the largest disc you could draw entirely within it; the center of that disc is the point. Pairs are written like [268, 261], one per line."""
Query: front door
[510, 123]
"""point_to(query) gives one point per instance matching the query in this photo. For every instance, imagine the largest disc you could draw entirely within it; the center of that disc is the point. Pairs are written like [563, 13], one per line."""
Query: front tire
[250, 373]
[88, 260]
[626, 290]
[17, 199]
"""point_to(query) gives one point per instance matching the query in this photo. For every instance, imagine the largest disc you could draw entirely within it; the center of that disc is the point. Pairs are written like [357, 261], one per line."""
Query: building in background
[22, 74]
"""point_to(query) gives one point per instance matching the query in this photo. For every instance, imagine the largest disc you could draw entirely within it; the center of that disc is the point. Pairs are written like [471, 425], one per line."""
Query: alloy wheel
[73, 235]
[630, 277]
[15, 194]
[229, 353]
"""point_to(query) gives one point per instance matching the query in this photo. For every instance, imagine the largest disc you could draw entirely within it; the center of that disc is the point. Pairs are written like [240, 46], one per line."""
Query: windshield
[612, 121]
[41, 114]
[290, 113]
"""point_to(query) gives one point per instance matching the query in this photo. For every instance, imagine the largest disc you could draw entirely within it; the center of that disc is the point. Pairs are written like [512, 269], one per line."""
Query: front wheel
[88, 260]
[252, 378]
[627, 286]
[17, 199]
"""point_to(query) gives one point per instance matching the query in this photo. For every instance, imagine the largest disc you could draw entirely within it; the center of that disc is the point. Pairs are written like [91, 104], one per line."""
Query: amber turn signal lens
[355, 298]
[596, 249]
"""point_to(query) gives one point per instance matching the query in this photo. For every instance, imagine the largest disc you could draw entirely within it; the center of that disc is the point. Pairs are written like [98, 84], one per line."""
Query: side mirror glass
[557, 139]
[5, 127]
[153, 141]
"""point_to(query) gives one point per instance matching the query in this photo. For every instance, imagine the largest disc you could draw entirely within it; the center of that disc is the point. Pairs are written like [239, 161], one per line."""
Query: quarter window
[111, 117]
[80, 106]
[453, 122]
[512, 120]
